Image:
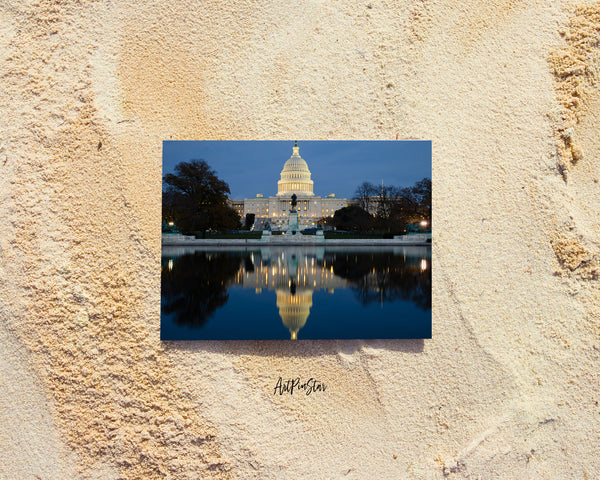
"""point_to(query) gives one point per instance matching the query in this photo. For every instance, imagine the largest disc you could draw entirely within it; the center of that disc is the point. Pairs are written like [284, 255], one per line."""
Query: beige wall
[507, 92]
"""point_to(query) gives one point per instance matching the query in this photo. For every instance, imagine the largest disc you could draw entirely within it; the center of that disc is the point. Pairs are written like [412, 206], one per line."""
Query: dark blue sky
[251, 167]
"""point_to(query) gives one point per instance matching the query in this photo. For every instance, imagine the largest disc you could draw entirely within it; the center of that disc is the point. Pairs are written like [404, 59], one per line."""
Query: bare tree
[365, 194]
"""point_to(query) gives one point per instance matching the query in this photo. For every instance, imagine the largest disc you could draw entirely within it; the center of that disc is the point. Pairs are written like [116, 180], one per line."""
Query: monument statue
[294, 202]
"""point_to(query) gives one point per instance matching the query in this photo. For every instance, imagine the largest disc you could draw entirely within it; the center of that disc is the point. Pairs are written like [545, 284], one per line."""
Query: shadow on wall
[298, 348]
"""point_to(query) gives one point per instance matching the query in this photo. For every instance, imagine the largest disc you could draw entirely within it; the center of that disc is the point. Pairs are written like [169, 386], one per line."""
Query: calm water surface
[270, 293]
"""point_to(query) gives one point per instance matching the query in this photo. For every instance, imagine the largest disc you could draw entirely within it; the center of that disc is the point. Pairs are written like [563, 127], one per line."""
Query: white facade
[275, 210]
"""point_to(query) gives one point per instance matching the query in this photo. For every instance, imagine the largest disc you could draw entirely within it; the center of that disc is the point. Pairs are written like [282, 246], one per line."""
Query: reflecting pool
[271, 293]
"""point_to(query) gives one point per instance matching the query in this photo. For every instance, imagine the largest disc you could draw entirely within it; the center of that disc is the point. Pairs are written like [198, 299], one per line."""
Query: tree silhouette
[386, 277]
[365, 194]
[195, 286]
[395, 207]
[196, 199]
[352, 218]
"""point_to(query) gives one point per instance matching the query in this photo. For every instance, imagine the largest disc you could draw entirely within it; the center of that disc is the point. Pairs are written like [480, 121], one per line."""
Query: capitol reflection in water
[314, 292]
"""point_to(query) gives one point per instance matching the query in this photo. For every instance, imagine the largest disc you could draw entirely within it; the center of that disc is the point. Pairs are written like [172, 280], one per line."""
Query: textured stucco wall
[508, 93]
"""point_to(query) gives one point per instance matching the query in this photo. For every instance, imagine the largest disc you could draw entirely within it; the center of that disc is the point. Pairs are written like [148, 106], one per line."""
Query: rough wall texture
[508, 92]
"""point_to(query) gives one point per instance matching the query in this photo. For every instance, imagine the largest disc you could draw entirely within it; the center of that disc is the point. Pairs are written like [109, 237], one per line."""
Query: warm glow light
[424, 223]
[170, 264]
[423, 264]
[171, 224]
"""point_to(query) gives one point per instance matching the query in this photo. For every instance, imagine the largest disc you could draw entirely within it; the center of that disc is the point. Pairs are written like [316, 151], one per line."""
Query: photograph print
[296, 240]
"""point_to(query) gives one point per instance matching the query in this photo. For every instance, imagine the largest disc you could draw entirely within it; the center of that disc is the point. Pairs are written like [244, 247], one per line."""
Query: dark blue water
[272, 293]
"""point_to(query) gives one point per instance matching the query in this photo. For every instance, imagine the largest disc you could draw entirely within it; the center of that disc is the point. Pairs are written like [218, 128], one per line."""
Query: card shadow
[297, 348]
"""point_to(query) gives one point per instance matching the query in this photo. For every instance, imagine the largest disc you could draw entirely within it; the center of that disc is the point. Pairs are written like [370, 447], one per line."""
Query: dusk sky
[251, 167]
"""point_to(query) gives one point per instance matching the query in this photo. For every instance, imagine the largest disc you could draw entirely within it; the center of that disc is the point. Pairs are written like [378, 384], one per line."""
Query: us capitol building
[295, 178]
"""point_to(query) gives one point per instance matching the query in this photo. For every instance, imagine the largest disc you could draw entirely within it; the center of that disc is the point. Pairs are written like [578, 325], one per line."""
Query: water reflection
[195, 282]
[385, 277]
[194, 286]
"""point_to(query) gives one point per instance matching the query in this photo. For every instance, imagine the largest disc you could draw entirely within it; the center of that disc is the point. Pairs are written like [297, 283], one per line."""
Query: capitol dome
[295, 176]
